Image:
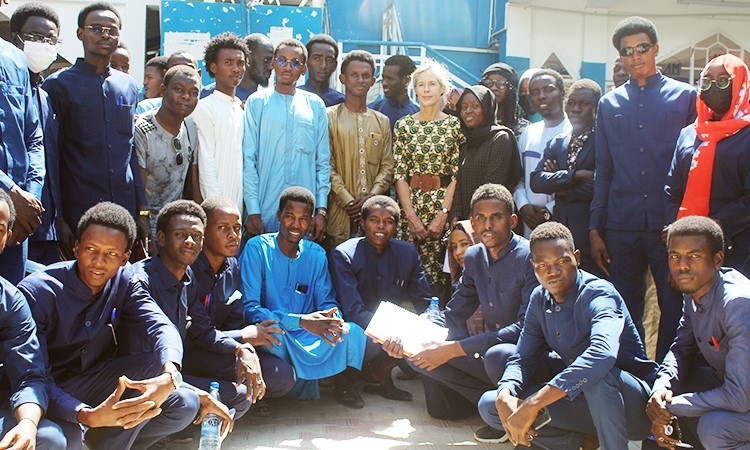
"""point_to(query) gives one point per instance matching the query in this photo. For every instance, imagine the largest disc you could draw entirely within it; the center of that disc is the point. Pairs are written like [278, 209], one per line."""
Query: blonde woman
[425, 150]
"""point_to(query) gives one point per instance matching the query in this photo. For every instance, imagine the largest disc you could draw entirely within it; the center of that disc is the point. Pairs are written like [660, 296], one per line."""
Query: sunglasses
[295, 63]
[500, 84]
[33, 37]
[179, 159]
[100, 30]
[640, 48]
[722, 83]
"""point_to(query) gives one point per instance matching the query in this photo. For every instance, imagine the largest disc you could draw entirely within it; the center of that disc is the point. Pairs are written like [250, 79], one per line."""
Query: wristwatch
[144, 212]
[444, 210]
[176, 378]
[322, 211]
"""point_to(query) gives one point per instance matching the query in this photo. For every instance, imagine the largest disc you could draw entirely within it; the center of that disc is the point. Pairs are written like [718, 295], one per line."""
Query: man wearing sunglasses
[285, 144]
[166, 141]
[637, 127]
[94, 105]
[35, 29]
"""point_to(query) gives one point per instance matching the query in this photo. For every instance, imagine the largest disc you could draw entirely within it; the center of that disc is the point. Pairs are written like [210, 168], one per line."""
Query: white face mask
[39, 55]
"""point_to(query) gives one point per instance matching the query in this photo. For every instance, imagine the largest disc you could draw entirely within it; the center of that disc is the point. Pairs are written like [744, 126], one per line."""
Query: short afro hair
[297, 194]
[255, 39]
[380, 201]
[110, 215]
[98, 6]
[179, 208]
[32, 9]
[220, 42]
[492, 191]
[322, 39]
[358, 55]
[160, 62]
[216, 202]
[586, 83]
[552, 231]
[292, 43]
[406, 65]
[634, 25]
[181, 54]
[4, 197]
[698, 226]
[181, 70]
[559, 82]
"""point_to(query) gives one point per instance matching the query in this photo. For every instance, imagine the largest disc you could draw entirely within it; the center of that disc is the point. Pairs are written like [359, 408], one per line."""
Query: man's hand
[66, 240]
[325, 325]
[143, 226]
[155, 389]
[518, 425]
[254, 225]
[582, 176]
[248, 371]
[113, 413]
[318, 227]
[28, 213]
[20, 437]
[437, 354]
[417, 227]
[437, 226]
[354, 207]
[392, 346]
[211, 405]
[533, 215]
[506, 405]
[662, 438]
[262, 334]
[599, 251]
[551, 165]
[656, 408]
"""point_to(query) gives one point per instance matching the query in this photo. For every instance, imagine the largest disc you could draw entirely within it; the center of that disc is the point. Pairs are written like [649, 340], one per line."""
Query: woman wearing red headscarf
[710, 173]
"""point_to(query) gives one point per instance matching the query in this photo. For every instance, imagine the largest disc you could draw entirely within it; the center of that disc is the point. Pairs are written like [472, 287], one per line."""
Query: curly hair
[297, 194]
[4, 197]
[406, 65]
[32, 9]
[322, 39]
[698, 226]
[179, 208]
[380, 201]
[222, 41]
[98, 6]
[358, 55]
[110, 215]
[491, 191]
[634, 25]
[552, 231]
[215, 202]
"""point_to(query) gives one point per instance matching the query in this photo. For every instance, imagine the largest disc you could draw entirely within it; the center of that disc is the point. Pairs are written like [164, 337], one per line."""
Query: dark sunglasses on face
[722, 83]
[179, 159]
[33, 37]
[641, 48]
[100, 30]
[295, 64]
[501, 84]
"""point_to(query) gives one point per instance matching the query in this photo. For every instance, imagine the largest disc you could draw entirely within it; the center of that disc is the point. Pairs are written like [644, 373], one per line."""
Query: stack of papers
[416, 333]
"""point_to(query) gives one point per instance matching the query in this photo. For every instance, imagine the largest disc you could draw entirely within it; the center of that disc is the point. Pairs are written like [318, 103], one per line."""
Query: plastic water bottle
[211, 427]
[432, 313]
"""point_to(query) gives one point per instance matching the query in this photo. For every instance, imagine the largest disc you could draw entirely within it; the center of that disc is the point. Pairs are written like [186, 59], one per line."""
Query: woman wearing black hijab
[502, 80]
[490, 153]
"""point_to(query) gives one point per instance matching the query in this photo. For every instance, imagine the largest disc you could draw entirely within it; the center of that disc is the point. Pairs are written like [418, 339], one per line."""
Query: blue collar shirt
[592, 332]
[50, 199]
[636, 131]
[393, 109]
[501, 287]
[95, 112]
[221, 294]
[331, 97]
[76, 329]
[718, 330]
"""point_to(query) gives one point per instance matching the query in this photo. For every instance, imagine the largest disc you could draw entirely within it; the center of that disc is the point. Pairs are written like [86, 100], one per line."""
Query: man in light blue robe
[285, 278]
[285, 144]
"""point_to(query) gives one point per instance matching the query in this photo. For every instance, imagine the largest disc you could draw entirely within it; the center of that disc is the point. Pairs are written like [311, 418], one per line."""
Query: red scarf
[697, 196]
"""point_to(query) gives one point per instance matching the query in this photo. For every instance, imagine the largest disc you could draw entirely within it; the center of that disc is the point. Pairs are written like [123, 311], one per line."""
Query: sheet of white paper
[415, 332]
[195, 43]
[278, 34]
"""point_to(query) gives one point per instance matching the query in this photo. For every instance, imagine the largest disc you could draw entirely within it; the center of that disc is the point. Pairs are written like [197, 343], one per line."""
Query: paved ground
[326, 425]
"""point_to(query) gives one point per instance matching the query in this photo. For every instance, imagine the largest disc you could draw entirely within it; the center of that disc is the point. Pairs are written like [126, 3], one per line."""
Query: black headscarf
[505, 71]
[489, 126]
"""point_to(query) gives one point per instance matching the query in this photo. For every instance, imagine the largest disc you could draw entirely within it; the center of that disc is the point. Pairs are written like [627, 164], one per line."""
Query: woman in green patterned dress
[425, 150]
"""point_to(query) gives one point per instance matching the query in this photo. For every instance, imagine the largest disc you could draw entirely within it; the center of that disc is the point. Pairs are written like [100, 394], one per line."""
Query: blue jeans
[614, 409]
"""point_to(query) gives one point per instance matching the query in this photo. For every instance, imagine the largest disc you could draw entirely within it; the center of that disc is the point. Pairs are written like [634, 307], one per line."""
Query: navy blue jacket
[221, 294]
[51, 202]
[571, 209]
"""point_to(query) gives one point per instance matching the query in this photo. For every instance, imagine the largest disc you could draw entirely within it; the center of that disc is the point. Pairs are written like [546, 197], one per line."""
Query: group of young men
[127, 351]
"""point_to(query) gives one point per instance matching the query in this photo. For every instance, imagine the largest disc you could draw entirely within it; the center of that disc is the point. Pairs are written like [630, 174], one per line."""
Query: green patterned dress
[422, 147]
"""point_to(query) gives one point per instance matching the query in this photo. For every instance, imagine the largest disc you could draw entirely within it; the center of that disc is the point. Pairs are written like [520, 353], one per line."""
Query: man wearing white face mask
[21, 157]
[35, 29]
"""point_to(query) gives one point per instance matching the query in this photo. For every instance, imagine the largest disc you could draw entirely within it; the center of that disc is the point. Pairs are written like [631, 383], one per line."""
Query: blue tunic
[394, 110]
[95, 112]
[363, 278]
[277, 287]
[591, 331]
[76, 329]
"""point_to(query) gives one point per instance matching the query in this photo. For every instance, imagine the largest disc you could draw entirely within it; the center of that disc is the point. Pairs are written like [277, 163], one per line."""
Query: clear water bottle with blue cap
[211, 427]
[432, 313]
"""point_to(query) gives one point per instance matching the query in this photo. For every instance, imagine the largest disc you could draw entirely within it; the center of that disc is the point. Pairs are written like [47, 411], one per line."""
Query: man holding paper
[373, 269]
[499, 277]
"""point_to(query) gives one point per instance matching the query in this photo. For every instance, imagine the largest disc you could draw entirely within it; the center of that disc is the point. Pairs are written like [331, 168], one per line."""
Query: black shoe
[390, 392]
[488, 435]
[349, 397]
